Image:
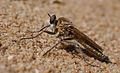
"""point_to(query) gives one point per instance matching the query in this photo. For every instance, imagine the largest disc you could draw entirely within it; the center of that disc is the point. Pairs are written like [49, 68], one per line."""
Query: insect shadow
[72, 49]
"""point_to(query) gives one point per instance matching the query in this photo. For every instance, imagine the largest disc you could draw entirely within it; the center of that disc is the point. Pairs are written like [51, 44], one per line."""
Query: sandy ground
[99, 19]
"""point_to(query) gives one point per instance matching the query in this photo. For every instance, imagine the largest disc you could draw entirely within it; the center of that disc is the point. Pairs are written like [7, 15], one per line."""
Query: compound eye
[52, 19]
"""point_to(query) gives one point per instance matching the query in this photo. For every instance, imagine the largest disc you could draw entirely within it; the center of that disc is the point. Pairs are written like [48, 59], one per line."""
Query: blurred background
[99, 19]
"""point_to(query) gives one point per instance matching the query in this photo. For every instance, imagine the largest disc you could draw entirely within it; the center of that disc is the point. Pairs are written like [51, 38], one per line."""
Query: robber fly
[66, 31]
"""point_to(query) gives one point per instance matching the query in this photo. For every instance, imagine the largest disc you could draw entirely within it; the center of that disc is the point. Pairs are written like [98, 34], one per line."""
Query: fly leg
[56, 45]
[48, 32]
[39, 30]
[52, 47]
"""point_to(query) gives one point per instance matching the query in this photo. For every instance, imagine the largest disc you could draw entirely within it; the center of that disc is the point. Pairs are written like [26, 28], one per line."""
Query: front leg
[48, 32]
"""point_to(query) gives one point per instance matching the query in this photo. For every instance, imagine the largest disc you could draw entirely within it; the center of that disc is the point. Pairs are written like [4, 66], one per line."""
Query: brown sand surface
[99, 19]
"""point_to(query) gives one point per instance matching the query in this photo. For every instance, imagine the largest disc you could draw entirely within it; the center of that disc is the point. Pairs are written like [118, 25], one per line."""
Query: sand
[99, 19]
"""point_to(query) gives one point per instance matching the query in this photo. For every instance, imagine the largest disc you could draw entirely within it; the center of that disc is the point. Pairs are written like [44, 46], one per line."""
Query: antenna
[49, 15]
